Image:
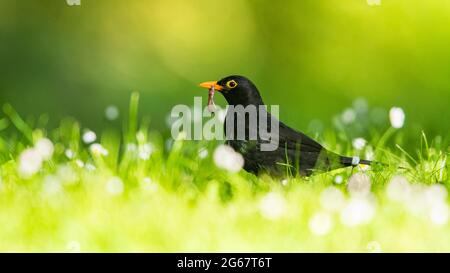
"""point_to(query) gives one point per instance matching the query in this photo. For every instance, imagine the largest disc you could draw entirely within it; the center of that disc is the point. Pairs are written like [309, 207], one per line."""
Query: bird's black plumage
[296, 153]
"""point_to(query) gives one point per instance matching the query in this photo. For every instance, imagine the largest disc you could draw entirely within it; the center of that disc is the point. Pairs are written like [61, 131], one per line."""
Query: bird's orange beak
[209, 85]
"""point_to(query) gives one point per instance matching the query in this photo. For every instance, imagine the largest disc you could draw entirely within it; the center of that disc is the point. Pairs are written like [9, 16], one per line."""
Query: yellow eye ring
[232, 84]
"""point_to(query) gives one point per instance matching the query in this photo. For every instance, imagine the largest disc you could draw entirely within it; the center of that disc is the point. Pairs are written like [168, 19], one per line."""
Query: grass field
[70, 190]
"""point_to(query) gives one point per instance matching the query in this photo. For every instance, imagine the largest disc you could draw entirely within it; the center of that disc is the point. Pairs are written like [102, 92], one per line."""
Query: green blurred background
[312, 57]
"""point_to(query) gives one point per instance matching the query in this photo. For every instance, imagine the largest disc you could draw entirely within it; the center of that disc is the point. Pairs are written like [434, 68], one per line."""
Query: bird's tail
[354, 161]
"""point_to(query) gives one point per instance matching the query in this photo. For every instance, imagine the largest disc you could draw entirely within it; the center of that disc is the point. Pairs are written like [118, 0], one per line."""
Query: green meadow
[88, 164]
[131, 191]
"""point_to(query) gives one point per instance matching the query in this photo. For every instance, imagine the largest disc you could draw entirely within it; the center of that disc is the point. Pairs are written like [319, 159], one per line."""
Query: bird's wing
[292, 139]
[289, 138]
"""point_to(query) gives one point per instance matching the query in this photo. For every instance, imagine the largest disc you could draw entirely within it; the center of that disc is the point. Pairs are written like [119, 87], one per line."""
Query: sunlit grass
[70, 189]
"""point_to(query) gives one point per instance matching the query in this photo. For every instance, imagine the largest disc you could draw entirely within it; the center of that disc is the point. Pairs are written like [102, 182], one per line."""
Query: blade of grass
[384, 138]
[3, 124]
[441, 173]
[406, 153]
[133, 117]
[425, 141]
[20, 124]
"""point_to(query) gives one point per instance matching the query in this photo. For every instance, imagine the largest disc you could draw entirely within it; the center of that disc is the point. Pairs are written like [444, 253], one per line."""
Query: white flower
[428, 202]
[374, 2]
[439, 214]
[79, 163]
[398, 189]
[89, 137]
[359, 184]
[320, 223]
[417, 201]
[98, 150]
[111, 112]
[69, 153]
[145, 151]
[338, 179]
[397, 117]
[272, 206]
[284, 182]
[226, 158]
[359, 143]
[90, 167]
[348, 116]
[31, 159]
[357, 211]
[332, 199]
[436, 193]
[30, 162]
[203, 153]
[436, 196]
[114, 186]
[45, 148]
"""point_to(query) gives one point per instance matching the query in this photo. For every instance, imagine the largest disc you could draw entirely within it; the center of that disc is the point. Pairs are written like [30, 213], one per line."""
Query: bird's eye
[232, 84]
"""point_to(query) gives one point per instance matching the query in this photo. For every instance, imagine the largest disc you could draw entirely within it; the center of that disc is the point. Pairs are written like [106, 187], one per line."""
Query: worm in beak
[212, 87]
[211, 105]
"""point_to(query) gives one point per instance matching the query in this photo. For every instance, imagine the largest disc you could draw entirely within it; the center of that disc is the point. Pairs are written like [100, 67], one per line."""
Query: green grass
[176, 201]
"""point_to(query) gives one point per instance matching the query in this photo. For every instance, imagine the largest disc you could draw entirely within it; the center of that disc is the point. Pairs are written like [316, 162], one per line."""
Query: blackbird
[296, 153]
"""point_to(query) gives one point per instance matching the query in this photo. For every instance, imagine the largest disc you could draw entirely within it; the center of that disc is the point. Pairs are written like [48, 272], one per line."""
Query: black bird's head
[237, 90]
